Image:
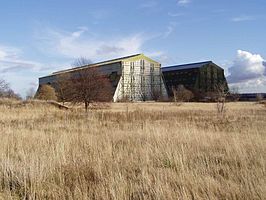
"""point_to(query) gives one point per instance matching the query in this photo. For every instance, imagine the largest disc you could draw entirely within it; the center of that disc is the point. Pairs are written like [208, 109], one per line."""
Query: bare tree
[12, 95]
[81, 62]
[64, 81]
[174, 94]
[88, 85]
[62, 86]
[156, 94]
[3, 87]
[222, 93]
[143, 95]
[6, 91]
[234, 93]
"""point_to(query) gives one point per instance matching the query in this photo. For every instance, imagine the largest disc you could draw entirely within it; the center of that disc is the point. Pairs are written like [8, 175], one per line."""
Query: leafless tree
[175, 97]
[156, 94]
[64, 81]
[221, 93]
[6, 91]
[234, 93]
[3, 87]
[11, 94]
[174, 94]
[62, 86]
[88, 85]
[81, 62]
[143, 94]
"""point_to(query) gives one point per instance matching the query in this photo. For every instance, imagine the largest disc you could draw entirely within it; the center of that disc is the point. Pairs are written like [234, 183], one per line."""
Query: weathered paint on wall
[135, 78]
[141, 80]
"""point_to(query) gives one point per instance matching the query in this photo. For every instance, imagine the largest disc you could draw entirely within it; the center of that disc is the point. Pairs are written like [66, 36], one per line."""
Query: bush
[46, 92]
[182, 94]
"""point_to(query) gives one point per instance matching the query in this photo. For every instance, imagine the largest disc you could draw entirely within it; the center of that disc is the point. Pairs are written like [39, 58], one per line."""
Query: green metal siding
[198, 80]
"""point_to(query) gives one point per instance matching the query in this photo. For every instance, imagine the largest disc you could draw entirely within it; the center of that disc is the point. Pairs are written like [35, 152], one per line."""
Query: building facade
[200, 78]
[134, 78]
[252, 96]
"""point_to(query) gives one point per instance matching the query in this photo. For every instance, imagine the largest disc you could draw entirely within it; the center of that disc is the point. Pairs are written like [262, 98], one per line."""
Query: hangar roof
[127, 58]
[185, 66]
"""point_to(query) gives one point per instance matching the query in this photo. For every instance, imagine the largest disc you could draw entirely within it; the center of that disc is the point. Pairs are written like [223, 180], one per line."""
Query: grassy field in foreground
[133, 151]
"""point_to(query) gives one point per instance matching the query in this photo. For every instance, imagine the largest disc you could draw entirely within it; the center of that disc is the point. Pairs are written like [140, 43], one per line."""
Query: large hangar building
[201, 78]
[139, 78]
[134, 78]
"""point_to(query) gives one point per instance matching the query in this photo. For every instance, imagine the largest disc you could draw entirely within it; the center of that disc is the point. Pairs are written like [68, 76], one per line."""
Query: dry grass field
[133, 151]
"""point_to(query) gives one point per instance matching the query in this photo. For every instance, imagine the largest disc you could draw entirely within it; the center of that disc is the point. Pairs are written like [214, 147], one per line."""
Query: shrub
[46, 92]
[182, 94]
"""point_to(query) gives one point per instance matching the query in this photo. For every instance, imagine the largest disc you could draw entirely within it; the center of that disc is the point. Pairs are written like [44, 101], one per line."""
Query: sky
[40, 37]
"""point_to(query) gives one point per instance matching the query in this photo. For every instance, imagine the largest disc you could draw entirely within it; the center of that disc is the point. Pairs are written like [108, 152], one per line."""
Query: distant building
[201, 78]
[252, 96]
[134, 78]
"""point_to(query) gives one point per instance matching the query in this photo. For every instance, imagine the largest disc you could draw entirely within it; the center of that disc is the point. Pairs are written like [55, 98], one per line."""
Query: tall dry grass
[133, 151]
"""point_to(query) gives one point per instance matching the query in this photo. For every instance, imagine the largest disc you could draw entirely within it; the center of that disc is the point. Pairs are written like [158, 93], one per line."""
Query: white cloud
[170, 29]
[11, 60]
[79, 32]
[171, 14]
[63, 47]
[246, 66]
[21, 72]
[83, 43]
[7, 52]
[17, 70]
[2, 54]
[183, 2]
[257, 85]
[264, 63]
[243, 18]
[248, 71]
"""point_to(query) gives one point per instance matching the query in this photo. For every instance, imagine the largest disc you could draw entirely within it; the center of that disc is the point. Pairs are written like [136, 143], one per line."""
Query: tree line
[85, 86]
[6, 91]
